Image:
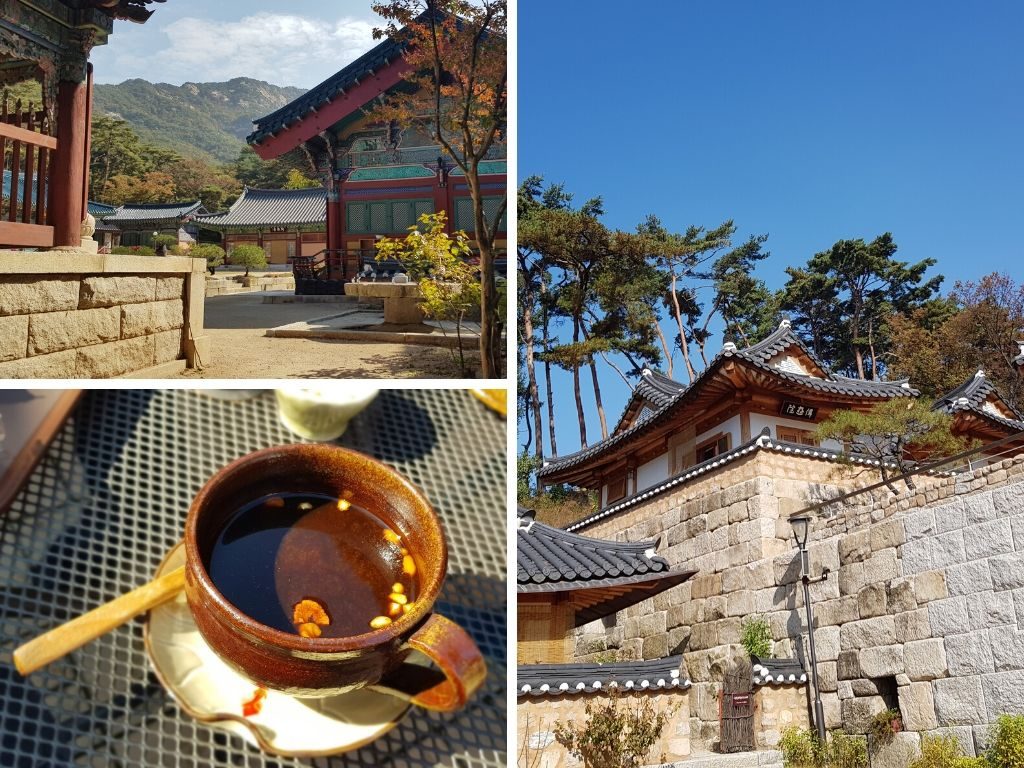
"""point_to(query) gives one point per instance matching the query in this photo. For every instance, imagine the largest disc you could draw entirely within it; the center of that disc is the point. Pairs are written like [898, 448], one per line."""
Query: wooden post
[69, 172]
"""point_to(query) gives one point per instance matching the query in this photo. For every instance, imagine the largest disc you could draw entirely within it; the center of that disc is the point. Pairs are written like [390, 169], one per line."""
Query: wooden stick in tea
[66, 638]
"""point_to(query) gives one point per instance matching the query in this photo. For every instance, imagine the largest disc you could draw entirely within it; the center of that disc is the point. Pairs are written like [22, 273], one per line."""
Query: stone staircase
[224, 283]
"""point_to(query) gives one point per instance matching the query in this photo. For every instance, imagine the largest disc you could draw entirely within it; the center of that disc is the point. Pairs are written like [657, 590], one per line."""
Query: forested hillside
[210, 120]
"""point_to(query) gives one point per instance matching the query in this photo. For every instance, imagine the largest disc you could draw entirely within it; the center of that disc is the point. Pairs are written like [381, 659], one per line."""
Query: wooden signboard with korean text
[792, 410]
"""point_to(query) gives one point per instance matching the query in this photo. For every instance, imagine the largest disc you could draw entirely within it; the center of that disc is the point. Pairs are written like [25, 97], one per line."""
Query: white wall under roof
[730, 426]
[653, 472]
[759, 421]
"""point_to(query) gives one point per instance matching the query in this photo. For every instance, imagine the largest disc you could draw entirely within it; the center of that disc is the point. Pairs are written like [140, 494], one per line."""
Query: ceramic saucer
[211, 691]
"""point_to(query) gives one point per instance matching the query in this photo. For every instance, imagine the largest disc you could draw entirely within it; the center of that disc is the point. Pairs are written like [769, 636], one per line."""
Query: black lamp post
[801, 531]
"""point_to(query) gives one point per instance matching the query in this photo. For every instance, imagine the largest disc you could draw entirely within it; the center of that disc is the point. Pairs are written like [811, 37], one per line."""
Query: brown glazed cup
[326, 666]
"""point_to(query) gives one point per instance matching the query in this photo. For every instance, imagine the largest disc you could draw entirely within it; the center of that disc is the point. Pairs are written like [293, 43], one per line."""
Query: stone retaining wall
[924, 603]
[78, 315]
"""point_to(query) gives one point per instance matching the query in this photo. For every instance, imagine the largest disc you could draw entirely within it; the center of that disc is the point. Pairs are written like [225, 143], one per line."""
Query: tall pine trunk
[576, 385]
[597, 399]
[550, 401]
[665, 349]
[531, 373]
[683, 345]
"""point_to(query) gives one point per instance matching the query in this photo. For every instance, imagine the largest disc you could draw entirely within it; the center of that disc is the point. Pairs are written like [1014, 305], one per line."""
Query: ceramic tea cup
[326, 666]
[322, 412]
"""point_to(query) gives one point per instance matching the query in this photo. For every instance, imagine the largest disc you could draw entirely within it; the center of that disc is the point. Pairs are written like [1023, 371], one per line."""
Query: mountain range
[210, 120]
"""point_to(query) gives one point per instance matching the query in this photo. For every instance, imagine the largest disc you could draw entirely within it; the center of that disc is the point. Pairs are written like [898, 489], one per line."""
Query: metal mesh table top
[109, 500]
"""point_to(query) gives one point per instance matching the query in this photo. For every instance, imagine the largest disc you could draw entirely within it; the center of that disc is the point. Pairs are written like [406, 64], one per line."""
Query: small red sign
[741, 700]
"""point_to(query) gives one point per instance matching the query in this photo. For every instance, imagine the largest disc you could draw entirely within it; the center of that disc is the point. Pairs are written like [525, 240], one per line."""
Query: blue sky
[298, 42]
[808, 121]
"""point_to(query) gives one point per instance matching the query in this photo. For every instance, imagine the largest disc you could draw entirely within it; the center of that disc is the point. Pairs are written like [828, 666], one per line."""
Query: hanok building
[669, 431]
[285, 223]
[565, 581]
[980, 413]
[139, 223]
[713, 471]
[379, 178]
[107, 235]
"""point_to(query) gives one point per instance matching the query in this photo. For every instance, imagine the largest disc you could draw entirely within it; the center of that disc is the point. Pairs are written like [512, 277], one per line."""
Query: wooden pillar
[335, 240]
[67, 204]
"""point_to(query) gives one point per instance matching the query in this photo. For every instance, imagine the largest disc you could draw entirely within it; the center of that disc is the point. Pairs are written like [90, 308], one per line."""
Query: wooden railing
[26, 152]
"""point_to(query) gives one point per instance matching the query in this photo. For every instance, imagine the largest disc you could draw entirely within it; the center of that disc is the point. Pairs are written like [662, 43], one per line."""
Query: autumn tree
[456, 51]
[844, 296]
[151, 187]
[945, 341]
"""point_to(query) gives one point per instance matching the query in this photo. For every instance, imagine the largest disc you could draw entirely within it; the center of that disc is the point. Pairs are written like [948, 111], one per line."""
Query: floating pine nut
[397, 597]
[408, 566]
[406, 608]
[397, 588]
[274, 502]
[309, 611]
[305, 506]
[380, 622]
[309, 629]
[394, 609]
[343, 504]
[391, 536]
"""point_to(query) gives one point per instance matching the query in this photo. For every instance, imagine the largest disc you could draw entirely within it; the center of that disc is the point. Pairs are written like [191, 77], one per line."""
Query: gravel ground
[236, 324]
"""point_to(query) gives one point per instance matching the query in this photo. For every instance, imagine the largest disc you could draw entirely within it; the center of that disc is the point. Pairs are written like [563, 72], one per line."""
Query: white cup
[323, 412]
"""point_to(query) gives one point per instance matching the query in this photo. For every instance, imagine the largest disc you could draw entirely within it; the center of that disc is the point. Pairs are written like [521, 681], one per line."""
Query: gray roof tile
[271, 207]
[570, 679]
[971, 396]
[778, 671]
[547, 556]
[155, 212]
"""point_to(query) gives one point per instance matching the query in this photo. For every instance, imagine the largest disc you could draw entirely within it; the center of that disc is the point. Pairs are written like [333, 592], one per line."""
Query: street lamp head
[801, 529]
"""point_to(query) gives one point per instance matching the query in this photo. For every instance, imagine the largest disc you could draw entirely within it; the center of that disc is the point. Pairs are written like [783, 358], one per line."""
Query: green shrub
[166, 241]
[885, 724]
[846, 751]
[249, 256]
[801, 749]
[213, 254]
[133, 250]
[756, 637]
[619, 731]
[1006, 749]
[944, 752]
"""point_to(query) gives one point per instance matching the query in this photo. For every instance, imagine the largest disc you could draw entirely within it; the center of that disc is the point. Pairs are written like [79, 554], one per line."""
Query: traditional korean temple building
[283, 222]
[138, 223]
[379, 178]
[776, 388]
[107, 235]
[981, 413]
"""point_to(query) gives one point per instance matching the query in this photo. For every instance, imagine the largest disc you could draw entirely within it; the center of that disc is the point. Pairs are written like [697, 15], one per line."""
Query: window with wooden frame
[677, 454]
[796, 436]
[714, 446]
[616, 489]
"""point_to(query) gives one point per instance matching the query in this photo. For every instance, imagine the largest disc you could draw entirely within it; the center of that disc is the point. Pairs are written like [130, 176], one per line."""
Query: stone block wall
[536, 718]
[923, 607]
[88, 316]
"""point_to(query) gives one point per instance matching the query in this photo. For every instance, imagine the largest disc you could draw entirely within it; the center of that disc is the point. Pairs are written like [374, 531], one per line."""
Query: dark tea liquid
[294, 559]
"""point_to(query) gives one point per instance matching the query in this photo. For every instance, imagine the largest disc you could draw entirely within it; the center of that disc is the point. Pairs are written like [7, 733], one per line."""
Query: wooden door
[737, 708]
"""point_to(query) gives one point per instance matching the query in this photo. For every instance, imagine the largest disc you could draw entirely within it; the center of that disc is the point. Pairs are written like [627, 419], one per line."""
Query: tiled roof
[569, 679]
[154, 212]
[778, 671]
[271, 207]
[756, 356]
[548, 556]
[972, 396]
[99, 210]
[763, 441]
[372, 61]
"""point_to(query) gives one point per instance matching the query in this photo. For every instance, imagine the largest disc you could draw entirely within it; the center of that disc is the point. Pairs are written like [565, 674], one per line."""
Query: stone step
[768, 758]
